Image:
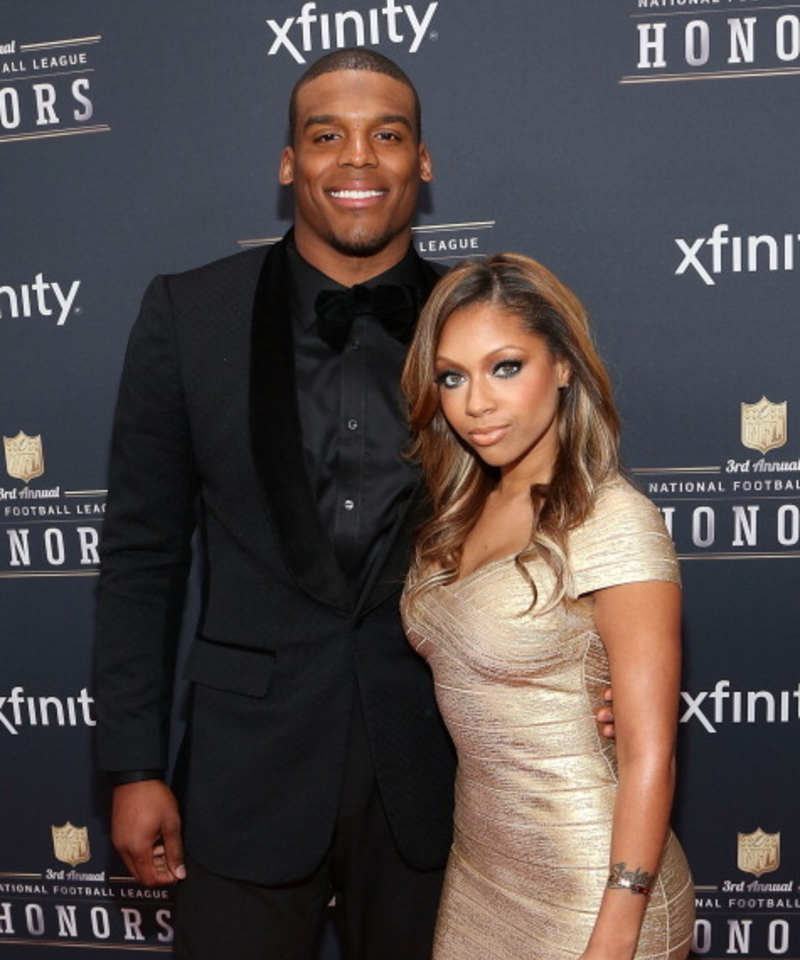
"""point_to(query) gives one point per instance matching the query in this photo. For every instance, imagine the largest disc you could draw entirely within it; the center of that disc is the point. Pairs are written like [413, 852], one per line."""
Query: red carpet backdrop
[645, 150]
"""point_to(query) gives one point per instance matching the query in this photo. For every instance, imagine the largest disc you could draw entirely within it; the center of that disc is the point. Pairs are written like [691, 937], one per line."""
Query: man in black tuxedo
[259, 399]
[265, 408]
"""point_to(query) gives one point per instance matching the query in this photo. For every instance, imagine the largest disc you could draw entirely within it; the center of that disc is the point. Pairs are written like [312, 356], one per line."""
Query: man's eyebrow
[396, 118]
[321, 119]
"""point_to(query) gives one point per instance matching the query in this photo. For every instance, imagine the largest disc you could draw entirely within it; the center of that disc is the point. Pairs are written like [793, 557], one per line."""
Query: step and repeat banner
[645, 150]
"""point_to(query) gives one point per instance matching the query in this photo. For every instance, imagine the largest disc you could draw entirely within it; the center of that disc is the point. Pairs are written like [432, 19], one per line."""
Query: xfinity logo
[350, 28]
[19, 710]
[719, 253]
[723, 705]
[46, 299]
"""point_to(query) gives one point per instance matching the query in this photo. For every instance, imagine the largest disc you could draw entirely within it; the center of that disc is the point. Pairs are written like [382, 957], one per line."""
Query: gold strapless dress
[536, 781]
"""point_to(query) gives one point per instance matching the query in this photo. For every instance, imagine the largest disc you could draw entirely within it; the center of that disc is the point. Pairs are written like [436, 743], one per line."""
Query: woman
[540, 568]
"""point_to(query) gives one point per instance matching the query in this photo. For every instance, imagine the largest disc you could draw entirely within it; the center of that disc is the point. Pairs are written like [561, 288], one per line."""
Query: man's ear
[286, 168]
[425, 164]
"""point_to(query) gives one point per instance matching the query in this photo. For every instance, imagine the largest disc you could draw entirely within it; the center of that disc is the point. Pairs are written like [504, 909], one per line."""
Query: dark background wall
[646, 150]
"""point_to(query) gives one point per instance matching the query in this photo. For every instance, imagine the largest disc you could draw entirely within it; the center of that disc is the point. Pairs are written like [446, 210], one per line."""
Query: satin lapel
[389, 570]
[277, 442]
[428, 274]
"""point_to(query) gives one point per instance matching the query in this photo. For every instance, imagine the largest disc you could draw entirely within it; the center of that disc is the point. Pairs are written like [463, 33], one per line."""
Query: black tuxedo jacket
[207, 428]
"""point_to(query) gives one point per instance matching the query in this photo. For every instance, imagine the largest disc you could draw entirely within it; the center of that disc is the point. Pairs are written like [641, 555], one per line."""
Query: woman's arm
[639, 624]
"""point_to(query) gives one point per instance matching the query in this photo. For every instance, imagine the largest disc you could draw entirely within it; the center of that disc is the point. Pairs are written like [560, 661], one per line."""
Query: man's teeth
[355, 194]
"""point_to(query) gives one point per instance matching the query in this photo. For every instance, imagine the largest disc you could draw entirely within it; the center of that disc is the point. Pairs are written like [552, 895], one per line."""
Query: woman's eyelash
[507, 368]
[447, 378]
[503, 368]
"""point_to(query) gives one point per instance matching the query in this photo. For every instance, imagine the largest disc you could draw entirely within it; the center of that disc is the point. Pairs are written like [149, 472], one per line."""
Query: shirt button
[352, 424]
[349, 504]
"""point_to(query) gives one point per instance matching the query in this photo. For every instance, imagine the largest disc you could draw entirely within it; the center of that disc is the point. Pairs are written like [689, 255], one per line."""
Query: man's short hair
[354, 58]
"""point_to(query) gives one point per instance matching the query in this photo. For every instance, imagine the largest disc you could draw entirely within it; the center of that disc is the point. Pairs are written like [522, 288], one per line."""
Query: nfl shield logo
[71, 844]
[763, 425]
[24, 457]
[759, 852]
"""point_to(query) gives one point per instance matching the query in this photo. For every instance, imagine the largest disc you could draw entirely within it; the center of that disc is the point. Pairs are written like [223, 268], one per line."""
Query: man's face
[356, 165]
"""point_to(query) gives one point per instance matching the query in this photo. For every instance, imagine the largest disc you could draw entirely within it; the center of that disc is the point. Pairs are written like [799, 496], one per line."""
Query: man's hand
[605, 715]
[146, 830]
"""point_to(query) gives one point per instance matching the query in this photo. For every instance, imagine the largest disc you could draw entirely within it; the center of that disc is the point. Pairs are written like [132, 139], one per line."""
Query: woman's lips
[486, 436]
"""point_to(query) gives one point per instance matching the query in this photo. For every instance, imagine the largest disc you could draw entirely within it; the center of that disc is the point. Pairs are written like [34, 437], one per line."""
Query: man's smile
[356, 194]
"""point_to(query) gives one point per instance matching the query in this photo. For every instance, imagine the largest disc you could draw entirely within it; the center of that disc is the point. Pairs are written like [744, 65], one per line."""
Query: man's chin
[361, 246]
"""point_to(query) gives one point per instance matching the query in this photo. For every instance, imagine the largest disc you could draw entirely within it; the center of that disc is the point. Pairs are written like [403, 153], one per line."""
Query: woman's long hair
[458, 481]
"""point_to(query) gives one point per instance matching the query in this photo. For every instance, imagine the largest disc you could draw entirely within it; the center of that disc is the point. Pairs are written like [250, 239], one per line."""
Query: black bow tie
[394, 307]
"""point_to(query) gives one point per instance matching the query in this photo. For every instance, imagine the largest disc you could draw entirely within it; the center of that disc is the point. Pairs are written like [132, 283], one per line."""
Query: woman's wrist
[638, 882]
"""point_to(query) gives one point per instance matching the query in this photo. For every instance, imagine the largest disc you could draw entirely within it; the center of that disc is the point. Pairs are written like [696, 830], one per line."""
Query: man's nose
[358, 150]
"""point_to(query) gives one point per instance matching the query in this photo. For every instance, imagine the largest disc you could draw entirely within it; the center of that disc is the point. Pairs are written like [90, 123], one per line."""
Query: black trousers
[385, 910]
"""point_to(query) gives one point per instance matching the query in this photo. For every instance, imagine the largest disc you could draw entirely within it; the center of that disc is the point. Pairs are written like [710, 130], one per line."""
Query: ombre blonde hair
[458, 481]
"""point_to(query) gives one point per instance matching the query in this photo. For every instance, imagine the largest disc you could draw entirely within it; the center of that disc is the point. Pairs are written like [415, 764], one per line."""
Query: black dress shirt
[351, 414]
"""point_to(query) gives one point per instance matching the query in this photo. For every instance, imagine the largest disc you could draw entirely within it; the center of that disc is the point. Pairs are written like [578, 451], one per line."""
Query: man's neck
[348, 270]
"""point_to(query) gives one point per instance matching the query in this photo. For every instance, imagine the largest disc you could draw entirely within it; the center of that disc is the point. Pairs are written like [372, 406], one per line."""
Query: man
[261, 404]
[315, 760]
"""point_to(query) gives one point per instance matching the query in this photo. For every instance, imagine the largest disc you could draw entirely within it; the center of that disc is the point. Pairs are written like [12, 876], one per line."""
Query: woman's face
[498, 386]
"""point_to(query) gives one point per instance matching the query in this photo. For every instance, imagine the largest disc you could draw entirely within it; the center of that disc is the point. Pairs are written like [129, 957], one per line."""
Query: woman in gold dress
[540, 574]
